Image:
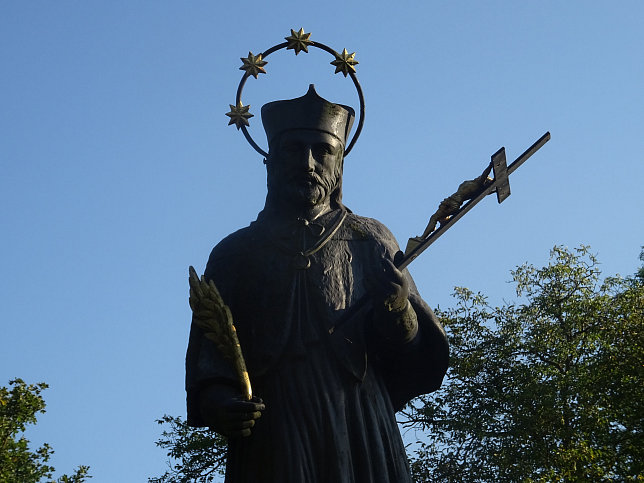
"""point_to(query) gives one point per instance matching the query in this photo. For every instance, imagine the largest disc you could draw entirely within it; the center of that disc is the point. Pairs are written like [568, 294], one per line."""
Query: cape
[330, 398]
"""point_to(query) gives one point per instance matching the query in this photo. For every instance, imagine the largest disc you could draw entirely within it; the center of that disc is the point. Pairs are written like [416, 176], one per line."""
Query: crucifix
[454, 207]
[471, 193]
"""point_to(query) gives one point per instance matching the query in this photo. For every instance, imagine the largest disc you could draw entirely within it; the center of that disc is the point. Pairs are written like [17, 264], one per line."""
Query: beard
[310, 189]
[302, 189]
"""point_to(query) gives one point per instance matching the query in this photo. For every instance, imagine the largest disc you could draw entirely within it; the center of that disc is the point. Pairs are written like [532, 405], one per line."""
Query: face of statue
[306, 167]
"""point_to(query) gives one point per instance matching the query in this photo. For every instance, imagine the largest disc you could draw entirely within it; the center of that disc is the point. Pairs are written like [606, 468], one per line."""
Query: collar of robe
[301, 238]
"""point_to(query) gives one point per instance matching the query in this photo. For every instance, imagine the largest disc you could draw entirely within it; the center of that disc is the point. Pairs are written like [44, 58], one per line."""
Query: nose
[308, 159]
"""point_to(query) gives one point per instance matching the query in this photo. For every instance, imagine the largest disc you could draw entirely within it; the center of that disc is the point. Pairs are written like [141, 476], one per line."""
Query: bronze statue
[313, 305]
[328, 400]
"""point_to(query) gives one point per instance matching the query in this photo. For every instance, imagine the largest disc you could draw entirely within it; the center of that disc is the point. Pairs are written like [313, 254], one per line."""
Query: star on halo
[345, 62]
[298, 41]
[253, 64]
[239, 115]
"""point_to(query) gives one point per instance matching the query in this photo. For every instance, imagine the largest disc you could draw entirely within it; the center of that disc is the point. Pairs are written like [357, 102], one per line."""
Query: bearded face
[305, 167]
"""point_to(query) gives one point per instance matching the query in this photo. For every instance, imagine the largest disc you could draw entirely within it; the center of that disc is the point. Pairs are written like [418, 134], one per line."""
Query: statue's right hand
[226, 412]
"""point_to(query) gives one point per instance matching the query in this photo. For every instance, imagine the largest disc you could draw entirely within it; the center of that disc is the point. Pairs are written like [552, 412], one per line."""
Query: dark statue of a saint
[328, 398]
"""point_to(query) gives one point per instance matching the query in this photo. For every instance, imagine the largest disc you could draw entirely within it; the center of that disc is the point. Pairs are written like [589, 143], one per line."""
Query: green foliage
[19, 405]
[199, 454]
[549, 390]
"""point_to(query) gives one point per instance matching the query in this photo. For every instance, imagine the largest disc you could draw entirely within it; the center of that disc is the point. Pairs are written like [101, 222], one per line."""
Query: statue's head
[306, 139]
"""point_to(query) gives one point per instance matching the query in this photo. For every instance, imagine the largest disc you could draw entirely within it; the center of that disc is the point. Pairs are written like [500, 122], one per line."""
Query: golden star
[253, 64]
[239, 115]
[345, 62]
[298, 41]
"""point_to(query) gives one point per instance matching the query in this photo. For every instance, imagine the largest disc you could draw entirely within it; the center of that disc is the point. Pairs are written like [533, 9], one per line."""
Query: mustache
[306, 177]
[280, 177]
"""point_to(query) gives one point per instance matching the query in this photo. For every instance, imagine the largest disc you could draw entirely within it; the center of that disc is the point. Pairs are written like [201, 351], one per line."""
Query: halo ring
[321, 46]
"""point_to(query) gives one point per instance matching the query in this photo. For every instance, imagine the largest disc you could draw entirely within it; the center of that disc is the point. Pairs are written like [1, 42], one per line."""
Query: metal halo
[309, 43]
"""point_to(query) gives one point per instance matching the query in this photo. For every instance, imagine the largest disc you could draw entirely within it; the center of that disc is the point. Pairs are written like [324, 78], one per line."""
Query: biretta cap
[307, 112]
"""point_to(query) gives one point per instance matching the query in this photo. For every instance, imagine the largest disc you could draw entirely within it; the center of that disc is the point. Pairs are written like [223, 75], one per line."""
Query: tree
[200, 454]
[19, 404]
[548, 390]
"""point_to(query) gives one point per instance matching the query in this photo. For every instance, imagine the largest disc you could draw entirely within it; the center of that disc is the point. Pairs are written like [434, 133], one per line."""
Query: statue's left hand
[395, 318]
[391, 288]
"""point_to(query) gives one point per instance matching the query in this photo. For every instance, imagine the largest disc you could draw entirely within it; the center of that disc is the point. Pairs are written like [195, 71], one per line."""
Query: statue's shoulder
[237, 244]
[358, 227]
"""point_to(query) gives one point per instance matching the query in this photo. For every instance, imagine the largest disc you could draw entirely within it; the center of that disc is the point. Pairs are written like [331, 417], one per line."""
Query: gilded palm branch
[213, 317]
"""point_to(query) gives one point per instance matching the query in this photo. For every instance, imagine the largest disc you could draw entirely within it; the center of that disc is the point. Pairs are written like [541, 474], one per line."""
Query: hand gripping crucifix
[452, 209]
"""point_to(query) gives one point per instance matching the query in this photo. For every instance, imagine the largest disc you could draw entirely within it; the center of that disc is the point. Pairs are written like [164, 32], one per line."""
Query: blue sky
[119, 170]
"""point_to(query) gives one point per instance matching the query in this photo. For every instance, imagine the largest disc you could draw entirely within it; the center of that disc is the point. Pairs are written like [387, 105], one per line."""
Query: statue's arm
[408, 341]
[214, 397]
[407, 331]
[395, 320]
[418, 366]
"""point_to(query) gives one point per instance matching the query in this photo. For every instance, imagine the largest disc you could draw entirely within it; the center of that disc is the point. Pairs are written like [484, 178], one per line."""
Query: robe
[330, 398]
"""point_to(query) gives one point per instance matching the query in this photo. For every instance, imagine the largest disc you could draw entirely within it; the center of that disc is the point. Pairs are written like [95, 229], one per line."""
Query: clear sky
[118, 170]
